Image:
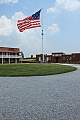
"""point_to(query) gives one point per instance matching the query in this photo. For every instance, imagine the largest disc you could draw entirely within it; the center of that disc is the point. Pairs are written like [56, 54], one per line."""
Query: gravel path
[55, 97]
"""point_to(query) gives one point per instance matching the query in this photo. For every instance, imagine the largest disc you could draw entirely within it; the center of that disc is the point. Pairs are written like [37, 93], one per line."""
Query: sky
[60, 20]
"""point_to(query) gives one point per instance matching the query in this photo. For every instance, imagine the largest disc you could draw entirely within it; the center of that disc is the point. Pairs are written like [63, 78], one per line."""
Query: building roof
[75, 53]
[58, 53]
[7, 49]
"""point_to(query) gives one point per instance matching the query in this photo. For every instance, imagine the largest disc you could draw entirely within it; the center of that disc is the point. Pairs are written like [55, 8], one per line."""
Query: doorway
[56, 59]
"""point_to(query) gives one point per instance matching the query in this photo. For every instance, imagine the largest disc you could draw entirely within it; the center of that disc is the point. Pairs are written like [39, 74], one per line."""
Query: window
[0, 53]
[4, 60]
[60, 54]
[47, 59]
[56, 55]
[63, 58]
[39, 58]
[70, 58]
[12, 53]
[50, 58]
[4, 53]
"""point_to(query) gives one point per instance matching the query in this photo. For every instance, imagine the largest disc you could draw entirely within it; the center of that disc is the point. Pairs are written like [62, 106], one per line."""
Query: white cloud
[8, 1]
[18, 15]
[54, 28]
[69, 5]
[52, 10]
[6, 26]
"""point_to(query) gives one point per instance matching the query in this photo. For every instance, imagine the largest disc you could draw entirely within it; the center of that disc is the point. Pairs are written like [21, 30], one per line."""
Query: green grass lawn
[33, 69]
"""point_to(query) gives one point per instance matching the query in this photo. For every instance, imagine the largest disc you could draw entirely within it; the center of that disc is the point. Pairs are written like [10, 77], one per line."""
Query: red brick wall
[62, 58]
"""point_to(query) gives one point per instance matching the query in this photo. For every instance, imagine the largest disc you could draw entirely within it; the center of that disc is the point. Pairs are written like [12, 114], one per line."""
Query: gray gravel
[55, 97]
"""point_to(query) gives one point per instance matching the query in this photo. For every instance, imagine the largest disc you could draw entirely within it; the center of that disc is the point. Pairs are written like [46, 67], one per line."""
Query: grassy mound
[34, 69]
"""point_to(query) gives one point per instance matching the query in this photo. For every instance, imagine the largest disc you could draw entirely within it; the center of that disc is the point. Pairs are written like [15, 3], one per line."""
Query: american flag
[29, 22]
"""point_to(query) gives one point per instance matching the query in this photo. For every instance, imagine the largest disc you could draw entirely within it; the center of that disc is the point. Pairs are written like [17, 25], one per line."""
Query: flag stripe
[27, 27]
[31, 24]
[32, 21]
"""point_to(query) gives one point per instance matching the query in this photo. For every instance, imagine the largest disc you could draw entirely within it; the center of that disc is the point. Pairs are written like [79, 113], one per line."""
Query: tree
[22, 54]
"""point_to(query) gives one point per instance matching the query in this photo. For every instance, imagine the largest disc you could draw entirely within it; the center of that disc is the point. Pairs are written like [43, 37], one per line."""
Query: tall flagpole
[42, 41]
[42, 47]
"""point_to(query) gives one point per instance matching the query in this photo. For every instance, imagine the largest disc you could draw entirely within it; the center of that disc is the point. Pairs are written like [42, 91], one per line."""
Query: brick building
[59, 57]
[9, 55]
